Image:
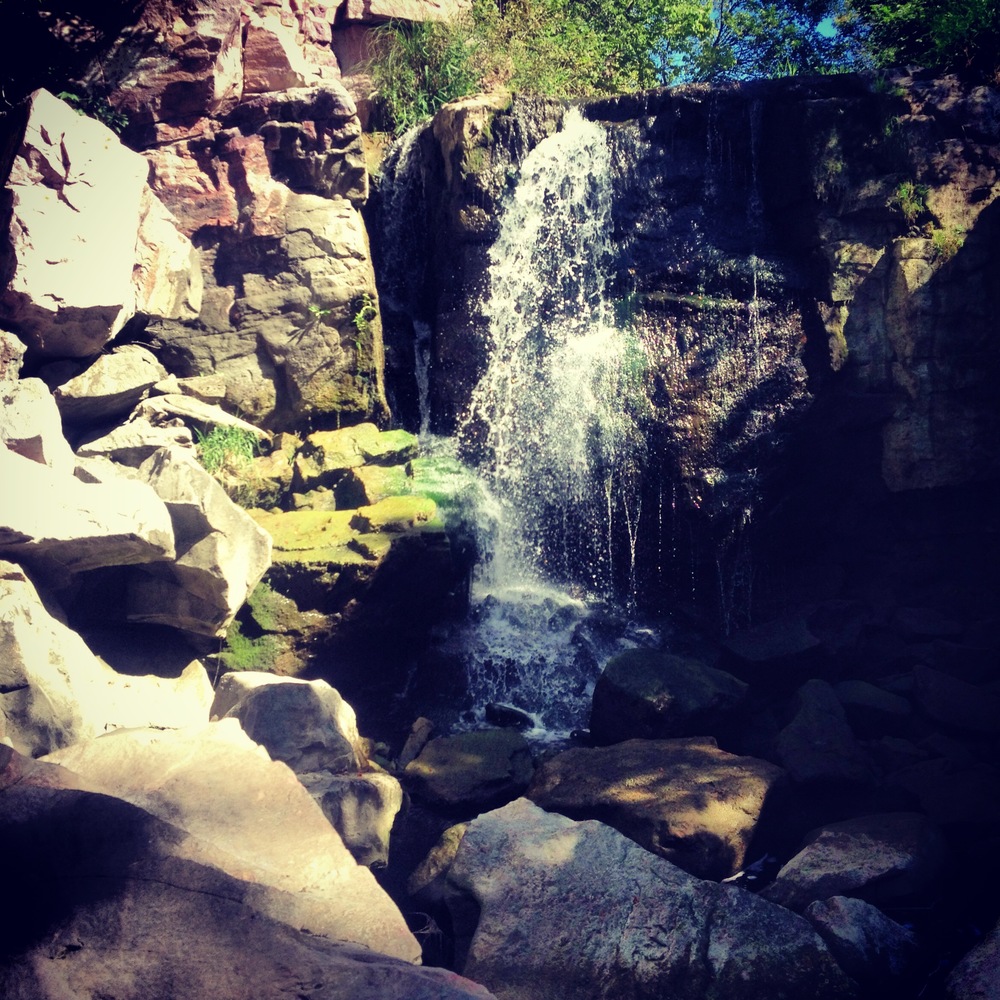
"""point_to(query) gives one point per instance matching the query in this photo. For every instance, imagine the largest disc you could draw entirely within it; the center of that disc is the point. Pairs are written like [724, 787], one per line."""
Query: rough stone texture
[214, 782]
[305, 724]
[222, 553]
[182, 406]
[652, 695]
[362, 808]
[30, 424]
[63, 525]
[137, 908]
[180, 62]
[11, 356]
[549, 908]
[684, 800]
[55, 692]
[75, 280]
[870, 948]
[273, 56]
[108, 387]
[133, 442]
[818, 745]
[326, 456]
[975, 977]
[891, 856]
[471, 772]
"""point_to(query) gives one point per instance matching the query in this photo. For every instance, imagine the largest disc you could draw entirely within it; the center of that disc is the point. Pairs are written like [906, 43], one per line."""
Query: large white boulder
[214, 782]
[221, 552]
[54, 691]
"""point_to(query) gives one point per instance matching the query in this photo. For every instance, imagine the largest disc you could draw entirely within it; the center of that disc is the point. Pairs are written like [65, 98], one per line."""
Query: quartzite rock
[685, 800]
[547, 908]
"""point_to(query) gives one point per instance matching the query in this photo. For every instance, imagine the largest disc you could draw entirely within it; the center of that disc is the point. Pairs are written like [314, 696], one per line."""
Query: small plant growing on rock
[96, 107]
[947, 241]
[911, 199]
[226, 449]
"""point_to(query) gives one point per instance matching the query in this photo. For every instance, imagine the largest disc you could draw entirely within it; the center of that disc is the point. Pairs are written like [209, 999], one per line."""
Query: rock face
[613, 920]
[142, 909]
[685, 800]
[73, 286]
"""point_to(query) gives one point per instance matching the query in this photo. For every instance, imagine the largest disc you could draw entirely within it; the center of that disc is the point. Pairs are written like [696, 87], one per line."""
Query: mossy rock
[398, 514]
[326, 456]
[311, 536]
[369, 484]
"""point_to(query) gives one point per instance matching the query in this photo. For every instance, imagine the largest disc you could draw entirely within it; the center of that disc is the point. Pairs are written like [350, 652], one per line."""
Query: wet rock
[652, 695]
[544, 907]
[471, 772]
[685, 800]
[418, 737]
[326, 456]
[108, 387]
[222, 553]
[305, 724]
[872, 949]
[879, 858]
[508, 716]
[53, 690]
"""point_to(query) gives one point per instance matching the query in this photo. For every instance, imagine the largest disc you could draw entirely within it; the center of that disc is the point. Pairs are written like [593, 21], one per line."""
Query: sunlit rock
[685, 800]
[222, 553]
[548, 908]
[880, 858]
[54, 692]
[107, 387]
[30, 424]
[470, 772]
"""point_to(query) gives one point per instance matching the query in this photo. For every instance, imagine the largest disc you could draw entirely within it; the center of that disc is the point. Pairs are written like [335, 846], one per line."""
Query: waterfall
[553, 422]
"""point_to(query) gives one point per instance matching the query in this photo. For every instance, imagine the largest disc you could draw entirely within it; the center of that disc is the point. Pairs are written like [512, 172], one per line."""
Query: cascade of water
[555, 410]
[422, 374]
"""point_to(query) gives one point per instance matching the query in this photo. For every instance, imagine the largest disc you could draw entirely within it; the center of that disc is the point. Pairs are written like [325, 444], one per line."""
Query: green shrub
[226, 448]
[947, 242]
[911, 199]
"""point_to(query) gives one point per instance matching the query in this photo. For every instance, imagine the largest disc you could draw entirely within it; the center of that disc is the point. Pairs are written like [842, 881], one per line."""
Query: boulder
[31, 426]
[975, 976]
[325, 457]
[190, 409]
[54, 692]
[956, 703]
[544, 907]
[222, 553]
[362, 808]
[872, 949]
[871, 710]
[305, 724]
[11, 356]
[133, 442]
[108, 387]
[470, 772]
[63, 525]
[214, 782]
[818, 744]
[73, 279]
[137, 908]
[880, 858]
[647, 694]
[273, 55]
[685, 800]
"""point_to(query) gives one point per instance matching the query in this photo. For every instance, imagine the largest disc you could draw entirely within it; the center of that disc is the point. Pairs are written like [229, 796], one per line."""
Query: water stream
[553, 430]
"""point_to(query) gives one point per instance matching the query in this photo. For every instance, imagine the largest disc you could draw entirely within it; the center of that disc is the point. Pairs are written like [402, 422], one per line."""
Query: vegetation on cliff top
[582, 47]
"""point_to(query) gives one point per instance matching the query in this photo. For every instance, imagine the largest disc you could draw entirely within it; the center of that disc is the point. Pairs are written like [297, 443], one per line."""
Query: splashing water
[552, 420]
[553, 428]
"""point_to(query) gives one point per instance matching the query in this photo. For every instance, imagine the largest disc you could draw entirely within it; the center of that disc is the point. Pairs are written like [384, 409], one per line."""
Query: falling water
[553, 428]
[553, 419]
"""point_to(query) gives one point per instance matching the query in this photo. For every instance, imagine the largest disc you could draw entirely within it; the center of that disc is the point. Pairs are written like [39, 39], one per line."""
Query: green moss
[240, 652]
